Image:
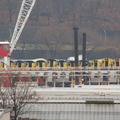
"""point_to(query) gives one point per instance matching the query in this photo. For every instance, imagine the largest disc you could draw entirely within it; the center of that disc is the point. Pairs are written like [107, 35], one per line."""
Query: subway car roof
[40, 61]
[12, 61]
[19, 61]
[51, 59]
[60, 60]
[30, 61]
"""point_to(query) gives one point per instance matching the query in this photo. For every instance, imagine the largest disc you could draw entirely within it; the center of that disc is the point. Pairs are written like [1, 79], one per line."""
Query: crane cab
[4, 48]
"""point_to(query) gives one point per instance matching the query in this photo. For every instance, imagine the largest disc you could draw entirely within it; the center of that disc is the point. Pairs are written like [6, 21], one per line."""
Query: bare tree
[53, 38]
[10, 11]
[60, 11]
[14, 96]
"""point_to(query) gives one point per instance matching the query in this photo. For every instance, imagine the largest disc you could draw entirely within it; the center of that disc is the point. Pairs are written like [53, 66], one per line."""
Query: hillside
[51, 23]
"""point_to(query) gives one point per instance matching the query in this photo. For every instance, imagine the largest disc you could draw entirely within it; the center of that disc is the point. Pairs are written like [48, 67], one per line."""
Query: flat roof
[4, 42]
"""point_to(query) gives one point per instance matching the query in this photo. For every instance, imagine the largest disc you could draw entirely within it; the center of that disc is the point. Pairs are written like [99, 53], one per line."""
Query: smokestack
[84, 50]
[76, 45]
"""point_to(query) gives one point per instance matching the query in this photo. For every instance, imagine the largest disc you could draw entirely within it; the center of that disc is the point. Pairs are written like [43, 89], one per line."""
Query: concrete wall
[5, 116]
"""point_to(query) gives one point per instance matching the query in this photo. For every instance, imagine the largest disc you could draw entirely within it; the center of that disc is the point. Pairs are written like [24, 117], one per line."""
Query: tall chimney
[84, 50]
[76, 45]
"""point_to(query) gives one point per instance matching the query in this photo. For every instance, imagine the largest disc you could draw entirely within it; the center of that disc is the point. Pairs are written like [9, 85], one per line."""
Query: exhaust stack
[76, 45]
[76, 53]
[84, 50]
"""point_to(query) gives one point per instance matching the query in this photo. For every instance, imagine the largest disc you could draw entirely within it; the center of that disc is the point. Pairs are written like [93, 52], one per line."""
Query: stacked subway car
[105, 63]
[40, 63]
[61, 63]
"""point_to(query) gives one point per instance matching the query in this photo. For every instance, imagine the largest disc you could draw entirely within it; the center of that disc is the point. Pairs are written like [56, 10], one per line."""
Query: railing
[84, 75]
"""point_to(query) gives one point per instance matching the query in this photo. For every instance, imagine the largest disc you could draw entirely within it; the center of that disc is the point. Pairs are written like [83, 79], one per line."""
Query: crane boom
[26, 8]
